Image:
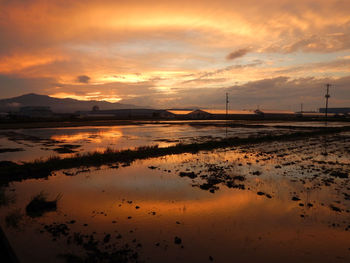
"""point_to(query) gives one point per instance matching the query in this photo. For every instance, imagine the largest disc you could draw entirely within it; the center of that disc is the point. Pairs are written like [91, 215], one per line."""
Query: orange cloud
[151, 47]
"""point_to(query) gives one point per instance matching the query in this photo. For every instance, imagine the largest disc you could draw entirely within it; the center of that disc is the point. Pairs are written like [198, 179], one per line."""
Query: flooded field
[30, 144]
[283, 201]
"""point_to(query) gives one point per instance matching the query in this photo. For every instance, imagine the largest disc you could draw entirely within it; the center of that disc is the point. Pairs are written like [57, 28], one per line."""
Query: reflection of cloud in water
[94, 137]
[154, 205]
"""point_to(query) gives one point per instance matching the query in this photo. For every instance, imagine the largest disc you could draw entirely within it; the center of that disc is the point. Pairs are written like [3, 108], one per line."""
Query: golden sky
[273, 53]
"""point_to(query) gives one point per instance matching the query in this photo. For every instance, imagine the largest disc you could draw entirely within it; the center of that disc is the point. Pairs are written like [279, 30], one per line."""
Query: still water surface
[272, 202]
[31, 144]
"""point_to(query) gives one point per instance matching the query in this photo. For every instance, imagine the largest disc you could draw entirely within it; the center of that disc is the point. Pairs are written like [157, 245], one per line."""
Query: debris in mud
[295, 198]
[39, 205]
[238, 178]
[339, 174]
[210, 187]
[122, 254]
[56, 230]
[262, 193]
[346, 196]
[334, 208]
[191, 175]
[231, 184]
[177, 240]
[152, 167]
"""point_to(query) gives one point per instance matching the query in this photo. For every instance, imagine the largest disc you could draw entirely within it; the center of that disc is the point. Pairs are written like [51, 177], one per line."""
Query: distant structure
[95, 108]
[230, 114]
[127, 114]
[198, 115]
[274, 113]
[335, 110]
[35, 112]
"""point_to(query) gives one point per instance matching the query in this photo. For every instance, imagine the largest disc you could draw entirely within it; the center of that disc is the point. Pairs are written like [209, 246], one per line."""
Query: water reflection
[42, 143]
[285, 211]
[87, 136]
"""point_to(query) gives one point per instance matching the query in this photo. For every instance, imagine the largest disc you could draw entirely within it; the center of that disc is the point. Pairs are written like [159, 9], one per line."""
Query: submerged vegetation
[40, 205]
[10, 171]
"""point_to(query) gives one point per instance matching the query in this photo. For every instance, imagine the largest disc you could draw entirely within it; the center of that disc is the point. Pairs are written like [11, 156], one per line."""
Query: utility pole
[327, 96]
[226, 111]
[226, 106]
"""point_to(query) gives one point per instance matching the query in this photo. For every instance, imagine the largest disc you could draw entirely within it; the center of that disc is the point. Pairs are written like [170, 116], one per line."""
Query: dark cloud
[83, 79]
[203, 76]
[232, 67]
[237, 54]
[281, 93]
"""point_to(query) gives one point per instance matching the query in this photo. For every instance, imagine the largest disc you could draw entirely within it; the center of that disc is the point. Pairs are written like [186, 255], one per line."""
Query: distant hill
[58, 105]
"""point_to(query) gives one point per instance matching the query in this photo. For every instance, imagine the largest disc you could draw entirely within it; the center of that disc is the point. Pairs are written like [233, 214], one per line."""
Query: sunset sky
[272, 53]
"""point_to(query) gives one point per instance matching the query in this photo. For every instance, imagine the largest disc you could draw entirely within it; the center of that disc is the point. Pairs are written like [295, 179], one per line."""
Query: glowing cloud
[127, 50]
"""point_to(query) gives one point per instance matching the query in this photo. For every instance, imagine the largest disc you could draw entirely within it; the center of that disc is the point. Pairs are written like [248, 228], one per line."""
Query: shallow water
[241, 205]
[45, 142]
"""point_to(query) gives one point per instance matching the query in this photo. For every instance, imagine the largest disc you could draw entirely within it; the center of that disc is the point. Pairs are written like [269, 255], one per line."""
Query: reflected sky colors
[152, 206]
[45, 142]
[164, 53]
